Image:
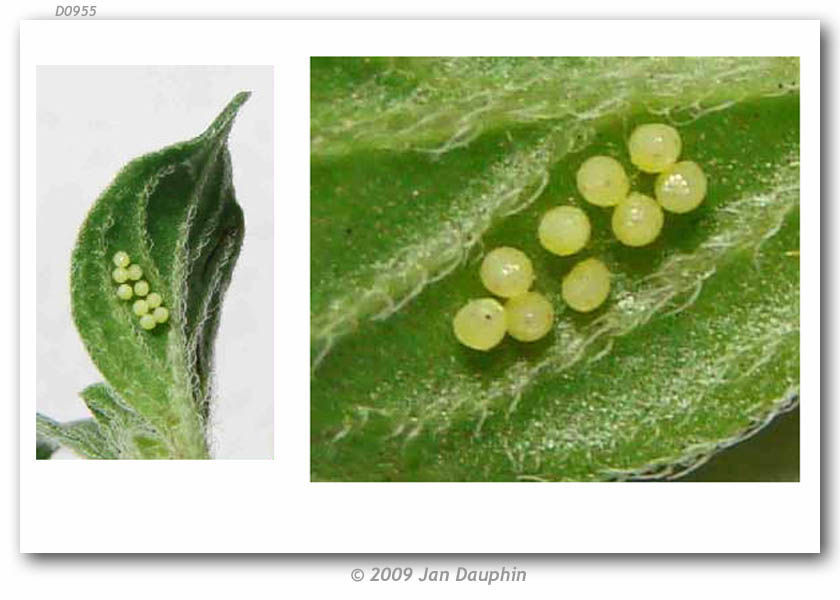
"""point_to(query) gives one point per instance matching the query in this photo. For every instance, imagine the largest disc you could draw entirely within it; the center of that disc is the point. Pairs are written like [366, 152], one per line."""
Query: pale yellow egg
[530, 316]
[564, 230]
[140, 307]
[124, 292]
[637, 220]
[654, 147]
[154, 300]
[147, 322]
[480, 324]
[120, 275]
[121, 259]
[135, 272]
[681, 187]
[507, 272]
[602, 181]
[141, 288]
[587, 285]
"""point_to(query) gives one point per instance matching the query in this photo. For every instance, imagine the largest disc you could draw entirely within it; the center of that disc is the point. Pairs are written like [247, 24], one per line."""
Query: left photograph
[154, 225]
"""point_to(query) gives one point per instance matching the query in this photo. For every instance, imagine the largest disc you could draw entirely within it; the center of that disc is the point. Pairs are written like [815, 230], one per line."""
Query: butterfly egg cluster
[637, 220]
[526, 315]
[149, 305]
[565, 230]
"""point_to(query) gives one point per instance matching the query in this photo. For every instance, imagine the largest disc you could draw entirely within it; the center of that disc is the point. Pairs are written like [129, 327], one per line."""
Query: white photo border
[271, 506]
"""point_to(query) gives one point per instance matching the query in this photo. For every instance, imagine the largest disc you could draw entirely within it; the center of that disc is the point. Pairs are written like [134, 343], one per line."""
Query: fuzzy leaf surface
[175, 213]
[83, 437]
[128, 433]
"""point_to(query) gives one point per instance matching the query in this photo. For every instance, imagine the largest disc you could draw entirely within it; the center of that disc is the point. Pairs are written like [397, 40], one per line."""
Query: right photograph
[545, 269]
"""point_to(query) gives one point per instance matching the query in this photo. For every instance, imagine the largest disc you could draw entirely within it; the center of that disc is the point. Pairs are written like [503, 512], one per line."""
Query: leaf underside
[421, 165]
[175, 213]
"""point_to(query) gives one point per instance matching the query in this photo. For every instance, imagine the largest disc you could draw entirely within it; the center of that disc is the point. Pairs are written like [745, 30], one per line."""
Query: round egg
[587, 285]
[124, 292]
[141, 288]
[507, 272]
[147, 322]
[654, 147]
[681, 187]
[480, 324]
[602, 181]
[121, 259]
[529, 316]
[120, 275]
[637, 220]
[564, 230]
[154, 300]
[140, 307]
[135, 272]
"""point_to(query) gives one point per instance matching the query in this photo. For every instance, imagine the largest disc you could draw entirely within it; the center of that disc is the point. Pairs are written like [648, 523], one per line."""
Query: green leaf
[421, 165]
[175, 213]
[129, 433]
[82, 437]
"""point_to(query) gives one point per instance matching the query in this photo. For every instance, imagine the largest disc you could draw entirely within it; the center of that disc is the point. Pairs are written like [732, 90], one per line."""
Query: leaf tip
[220, 127]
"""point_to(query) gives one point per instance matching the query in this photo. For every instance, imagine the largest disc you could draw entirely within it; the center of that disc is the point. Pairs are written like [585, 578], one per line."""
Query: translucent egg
[121, 259]
[480, 324]
[637, 220]
[154, 300]
[135, 272]
[602, 181]
[654, 147]
[507, 272]
[681, 187]
[587, 285]
[147, 322]
[140, 307]
[124, 292]
[530, 316]
[120, 275]
[564, 230]
[141, 288]
[161, 314]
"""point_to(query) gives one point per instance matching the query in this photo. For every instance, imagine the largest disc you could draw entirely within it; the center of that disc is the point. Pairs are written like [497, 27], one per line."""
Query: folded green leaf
[175, 214]
[420, 165]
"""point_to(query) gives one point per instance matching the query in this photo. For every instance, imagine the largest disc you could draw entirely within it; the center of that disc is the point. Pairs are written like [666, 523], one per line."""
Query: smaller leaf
[131, 435]
[82, 437]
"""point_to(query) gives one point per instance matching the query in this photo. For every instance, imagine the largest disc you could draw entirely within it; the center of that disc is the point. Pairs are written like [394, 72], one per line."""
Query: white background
[91, 121]
[726, 516]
